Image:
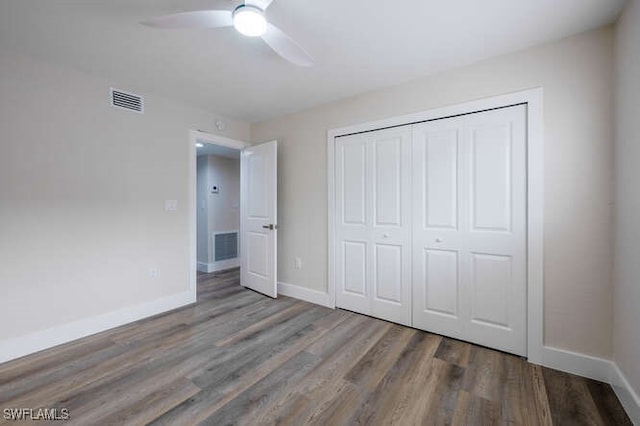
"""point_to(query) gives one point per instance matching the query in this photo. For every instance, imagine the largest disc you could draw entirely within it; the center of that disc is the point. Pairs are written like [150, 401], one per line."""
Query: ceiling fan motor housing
[249, 20]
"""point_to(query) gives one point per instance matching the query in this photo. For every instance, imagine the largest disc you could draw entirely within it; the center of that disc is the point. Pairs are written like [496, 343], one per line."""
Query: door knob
[270, 226]
[439, 240]
[385, 235]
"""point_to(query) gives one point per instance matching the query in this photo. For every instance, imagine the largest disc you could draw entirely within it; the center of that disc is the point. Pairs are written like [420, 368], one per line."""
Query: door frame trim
[194, 137]
[533, 98]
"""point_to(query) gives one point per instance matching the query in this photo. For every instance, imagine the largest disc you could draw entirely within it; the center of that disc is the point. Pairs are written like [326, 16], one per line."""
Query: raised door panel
[497, 284]
[387, 174]
[352, 170]
[257, 201]
[491, 277]
[491, 178]
[388, 273]
[440, 179]
[441, 282]
[391, 277]
[353, 288]
[258, 254]
[437, 291]
[354, 259]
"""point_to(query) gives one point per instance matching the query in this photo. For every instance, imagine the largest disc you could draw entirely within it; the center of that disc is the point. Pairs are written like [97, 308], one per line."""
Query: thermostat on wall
[214, 189]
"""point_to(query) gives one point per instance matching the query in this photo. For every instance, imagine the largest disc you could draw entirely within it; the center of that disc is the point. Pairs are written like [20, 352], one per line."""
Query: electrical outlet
[153, 272]
[297, 263]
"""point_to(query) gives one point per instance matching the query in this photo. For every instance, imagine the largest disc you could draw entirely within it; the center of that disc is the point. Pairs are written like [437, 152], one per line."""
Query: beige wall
[626, 348]
[576, 75]
[82, 190]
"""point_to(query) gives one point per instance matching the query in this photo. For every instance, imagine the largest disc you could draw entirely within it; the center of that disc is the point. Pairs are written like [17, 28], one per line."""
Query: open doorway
[233, 210]
[218, 207]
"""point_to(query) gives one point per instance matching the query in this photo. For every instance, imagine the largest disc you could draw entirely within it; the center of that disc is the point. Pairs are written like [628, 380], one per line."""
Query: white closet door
[391, 224]
[353, 224]
[469, 228]
[373, 211]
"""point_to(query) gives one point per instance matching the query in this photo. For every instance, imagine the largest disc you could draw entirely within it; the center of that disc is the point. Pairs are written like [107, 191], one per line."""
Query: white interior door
[469, 228]
[259, 235]
[373, 226]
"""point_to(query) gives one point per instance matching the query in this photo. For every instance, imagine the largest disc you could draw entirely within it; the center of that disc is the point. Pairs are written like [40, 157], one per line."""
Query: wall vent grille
[225, 246]
[126, 100]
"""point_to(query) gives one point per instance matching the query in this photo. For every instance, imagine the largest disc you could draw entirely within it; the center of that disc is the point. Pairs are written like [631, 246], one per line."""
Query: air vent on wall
[225, 245]
[128, 101]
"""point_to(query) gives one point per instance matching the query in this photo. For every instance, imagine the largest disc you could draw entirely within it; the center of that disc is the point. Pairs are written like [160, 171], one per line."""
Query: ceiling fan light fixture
[249, 20]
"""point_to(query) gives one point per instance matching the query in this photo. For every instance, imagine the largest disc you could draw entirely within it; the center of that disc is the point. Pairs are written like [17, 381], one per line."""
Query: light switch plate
[170, 205]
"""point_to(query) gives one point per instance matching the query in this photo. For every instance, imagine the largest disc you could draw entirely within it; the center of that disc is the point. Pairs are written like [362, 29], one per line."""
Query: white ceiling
[357, 45]
[217, 150]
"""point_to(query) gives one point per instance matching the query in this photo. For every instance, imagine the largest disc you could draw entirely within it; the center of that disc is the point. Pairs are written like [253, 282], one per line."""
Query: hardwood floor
[237, 357]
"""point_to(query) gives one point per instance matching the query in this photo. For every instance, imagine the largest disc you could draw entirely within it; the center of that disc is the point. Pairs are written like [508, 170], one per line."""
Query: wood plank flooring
[237, 357]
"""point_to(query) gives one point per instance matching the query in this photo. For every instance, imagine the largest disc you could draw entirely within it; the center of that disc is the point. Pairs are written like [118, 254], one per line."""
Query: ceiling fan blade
[196, 19]
[260, 4]
[285, 47]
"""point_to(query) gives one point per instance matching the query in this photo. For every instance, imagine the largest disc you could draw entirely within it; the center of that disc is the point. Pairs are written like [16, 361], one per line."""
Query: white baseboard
[577, 363]
[600, 369]
[308, 295]
[40, 340]
[218, 266]
[628, 397]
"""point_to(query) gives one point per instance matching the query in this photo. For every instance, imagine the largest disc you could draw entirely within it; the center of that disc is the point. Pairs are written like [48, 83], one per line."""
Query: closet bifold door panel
[373, 223]
[469, 228]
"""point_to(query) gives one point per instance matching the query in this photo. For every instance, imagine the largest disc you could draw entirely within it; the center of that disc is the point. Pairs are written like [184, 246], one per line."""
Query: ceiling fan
[248, 18]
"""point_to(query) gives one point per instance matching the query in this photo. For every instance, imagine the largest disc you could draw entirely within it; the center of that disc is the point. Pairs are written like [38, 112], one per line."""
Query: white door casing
[373, 232]
[258, 244]
[469, 228]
